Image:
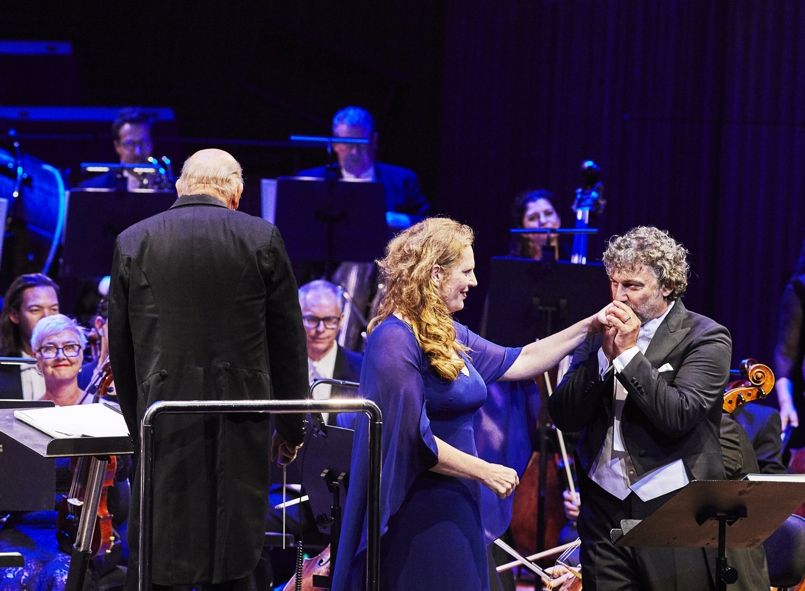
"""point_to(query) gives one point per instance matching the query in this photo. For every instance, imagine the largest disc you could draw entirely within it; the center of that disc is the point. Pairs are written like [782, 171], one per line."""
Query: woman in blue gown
[428, 374]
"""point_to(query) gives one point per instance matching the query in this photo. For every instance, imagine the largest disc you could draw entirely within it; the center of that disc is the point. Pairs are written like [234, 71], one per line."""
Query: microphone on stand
[589, 198]
[590, 195]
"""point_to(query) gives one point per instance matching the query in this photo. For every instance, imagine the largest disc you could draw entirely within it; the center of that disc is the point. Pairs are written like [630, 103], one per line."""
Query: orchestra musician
[405, 203]
[428, 374]
[532, 209]
[646, 397]
[789, 354]
[58, 343]
[29, 298]
[322, 304]
[203, 306]
[99, 343]
[535, 209]
[133, 144]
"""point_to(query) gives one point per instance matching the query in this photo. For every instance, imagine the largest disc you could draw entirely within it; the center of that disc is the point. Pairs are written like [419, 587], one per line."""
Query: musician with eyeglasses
[133, 143]
[322, 305]
[58, 343]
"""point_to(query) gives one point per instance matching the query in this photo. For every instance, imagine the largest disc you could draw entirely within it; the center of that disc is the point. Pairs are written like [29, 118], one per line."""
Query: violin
[104, 538]
[757, 384]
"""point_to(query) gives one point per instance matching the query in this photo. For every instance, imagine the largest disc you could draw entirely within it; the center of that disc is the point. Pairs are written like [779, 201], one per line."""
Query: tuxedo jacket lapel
[668, 336]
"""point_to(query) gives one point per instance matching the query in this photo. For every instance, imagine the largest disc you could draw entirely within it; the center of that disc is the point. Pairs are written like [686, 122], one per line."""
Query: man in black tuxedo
[646, 398]
[203, 306]
[405, 204]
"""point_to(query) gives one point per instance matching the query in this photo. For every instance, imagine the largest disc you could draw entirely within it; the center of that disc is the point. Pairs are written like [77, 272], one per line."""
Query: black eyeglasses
[51, 351]
[327, 321]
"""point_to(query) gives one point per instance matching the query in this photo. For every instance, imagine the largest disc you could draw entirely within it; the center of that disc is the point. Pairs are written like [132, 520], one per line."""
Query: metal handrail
[268, 407]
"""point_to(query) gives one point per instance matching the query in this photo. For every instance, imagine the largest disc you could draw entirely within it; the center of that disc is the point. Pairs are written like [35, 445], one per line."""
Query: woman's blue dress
[432, 526]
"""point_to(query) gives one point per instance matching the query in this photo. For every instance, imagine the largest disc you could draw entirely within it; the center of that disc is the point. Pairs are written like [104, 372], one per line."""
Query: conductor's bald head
[212, 172]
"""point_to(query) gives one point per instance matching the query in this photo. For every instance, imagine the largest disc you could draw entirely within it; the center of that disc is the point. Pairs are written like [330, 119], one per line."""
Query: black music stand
[331, 220]
[99, 448]
[93, 221]
[698, 514]
[325, 474]
[34, 483]
[529, 299]
[11, 377]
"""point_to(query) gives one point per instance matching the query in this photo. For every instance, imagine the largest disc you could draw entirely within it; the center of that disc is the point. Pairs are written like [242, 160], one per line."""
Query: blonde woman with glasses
[58, 343]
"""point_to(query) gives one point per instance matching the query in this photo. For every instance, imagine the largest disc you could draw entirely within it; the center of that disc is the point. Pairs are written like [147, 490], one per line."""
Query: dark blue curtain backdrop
[694, 110]
[251, 70]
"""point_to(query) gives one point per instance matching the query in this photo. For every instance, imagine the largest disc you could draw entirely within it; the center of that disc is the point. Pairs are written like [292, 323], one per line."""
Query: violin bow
[520, 559]
[562, 447]
[532, 557]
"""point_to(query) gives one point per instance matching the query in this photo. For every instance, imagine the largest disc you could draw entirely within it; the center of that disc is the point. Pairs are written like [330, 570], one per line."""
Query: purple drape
[694, 110]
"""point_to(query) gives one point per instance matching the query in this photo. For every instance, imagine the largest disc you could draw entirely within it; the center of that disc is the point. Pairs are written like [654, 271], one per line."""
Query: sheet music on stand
[82, 420]
[54, 447]
[32, 440]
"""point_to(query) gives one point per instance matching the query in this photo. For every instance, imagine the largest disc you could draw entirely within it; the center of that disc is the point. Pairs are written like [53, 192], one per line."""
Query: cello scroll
[758, 383]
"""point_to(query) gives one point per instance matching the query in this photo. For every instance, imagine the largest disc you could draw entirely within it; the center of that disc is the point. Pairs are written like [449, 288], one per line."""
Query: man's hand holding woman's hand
[623, 328]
